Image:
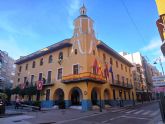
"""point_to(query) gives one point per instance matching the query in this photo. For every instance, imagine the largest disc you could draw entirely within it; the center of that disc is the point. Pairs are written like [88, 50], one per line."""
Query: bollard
[162, 106]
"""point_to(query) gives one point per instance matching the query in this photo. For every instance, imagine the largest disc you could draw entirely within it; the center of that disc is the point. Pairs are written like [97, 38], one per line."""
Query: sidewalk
[138, 104]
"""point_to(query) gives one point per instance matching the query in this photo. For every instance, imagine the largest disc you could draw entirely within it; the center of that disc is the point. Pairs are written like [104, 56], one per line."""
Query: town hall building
[80, 71]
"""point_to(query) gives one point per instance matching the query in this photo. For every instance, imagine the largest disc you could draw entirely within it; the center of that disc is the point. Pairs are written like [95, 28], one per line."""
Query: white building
[143, 70]
[137, 60]
[7, 70]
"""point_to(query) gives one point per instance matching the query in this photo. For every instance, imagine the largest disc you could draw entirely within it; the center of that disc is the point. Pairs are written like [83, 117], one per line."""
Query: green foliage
[3, 96]
[37, 103]
[8, 92]
[31, 90]
[16, 90]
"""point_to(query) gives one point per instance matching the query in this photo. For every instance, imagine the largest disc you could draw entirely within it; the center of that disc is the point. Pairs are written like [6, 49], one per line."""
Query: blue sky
[29, 25]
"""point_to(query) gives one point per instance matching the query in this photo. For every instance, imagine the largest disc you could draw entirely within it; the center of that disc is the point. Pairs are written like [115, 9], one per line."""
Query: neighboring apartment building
[7, 70]
[81, 71]
[161, 22]
[145, 70]
[136, 80]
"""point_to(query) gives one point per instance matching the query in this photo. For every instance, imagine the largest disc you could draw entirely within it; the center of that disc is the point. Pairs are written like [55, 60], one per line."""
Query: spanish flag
[111, 71]
[100, 70]
[95, 67]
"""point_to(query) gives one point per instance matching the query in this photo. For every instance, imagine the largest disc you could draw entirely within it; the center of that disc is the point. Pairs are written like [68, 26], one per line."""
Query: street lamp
[142, 97]
[100, 102]
[159, 59]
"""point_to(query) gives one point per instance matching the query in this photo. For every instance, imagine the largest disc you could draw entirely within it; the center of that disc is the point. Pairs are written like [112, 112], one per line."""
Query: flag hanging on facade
[111, 71]
[100, 70]
[22, 86]
[106, 73]
[39, 85]
[107, 70]
[95, 67]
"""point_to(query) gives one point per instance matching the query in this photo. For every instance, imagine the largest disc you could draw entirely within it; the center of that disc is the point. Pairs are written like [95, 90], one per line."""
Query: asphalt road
[145, 114]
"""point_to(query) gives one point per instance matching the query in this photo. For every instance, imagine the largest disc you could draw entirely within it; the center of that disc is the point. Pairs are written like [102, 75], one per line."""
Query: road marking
[136, 118]
[106, 121]
[75, 119]
[118, 110]
[147, 112]
[130, 111]
[138, 112]
[155, 113]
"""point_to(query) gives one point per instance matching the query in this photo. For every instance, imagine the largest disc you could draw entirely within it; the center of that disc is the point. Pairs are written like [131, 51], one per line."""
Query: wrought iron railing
[122, 84]
[85, 75]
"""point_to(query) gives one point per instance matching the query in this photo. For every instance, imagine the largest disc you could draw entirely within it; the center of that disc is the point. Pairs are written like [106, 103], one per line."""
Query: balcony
[122, 85]
[86, 76]
[163, 48]
[48, 83]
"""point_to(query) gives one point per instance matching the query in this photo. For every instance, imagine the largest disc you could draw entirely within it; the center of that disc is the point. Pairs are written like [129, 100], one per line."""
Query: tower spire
[83, 9]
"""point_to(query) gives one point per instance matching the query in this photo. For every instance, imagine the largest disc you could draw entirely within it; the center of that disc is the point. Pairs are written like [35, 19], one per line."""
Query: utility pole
[160, 61]
[161, 65]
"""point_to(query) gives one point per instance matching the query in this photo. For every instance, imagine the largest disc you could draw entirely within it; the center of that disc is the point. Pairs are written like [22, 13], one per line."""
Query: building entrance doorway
[94, 97]
[76, 97]
[59, 96]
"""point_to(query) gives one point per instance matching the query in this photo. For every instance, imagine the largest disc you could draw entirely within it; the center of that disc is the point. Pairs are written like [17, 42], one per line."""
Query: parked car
[2, 107]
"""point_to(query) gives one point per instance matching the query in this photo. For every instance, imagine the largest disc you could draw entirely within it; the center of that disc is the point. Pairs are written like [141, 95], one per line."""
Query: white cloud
[154, 44]
[72, 8]
[12, 47]
[13, 33]
[7, 25]
[153, 52]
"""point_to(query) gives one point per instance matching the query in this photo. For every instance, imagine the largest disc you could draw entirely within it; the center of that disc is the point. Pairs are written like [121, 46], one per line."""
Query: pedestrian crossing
[138, 112]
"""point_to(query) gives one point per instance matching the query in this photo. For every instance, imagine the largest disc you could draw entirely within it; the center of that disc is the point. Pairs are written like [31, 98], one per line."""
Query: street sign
[158, 84]
[156, 78]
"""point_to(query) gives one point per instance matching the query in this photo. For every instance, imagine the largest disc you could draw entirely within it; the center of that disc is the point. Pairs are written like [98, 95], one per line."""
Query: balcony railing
[86, 76]
[49, 83]
[122, 84]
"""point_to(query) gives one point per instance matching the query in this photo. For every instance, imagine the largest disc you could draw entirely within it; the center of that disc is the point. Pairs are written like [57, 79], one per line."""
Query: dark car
[2, 107]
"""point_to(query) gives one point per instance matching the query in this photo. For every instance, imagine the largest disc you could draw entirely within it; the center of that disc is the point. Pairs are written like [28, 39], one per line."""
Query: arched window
[104, 56]
[118, 78]
[111, 61]
[93, 52]
[41, 61]
[33, 64]
[126, 68]
[121, 66]
[122, 79]
[117, 64]
[50, 59]
[75, 51]
[26, 68]
[20, 68]
[60, 56]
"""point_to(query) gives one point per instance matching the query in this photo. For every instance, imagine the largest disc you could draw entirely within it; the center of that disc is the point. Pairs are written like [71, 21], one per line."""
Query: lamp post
[160, 61]
[142, 96]
[100, 102]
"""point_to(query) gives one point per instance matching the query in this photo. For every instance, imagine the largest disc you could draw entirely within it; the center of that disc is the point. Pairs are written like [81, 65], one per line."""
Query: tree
[8, 92]
[30, 91]
[3, 96]
[16, 90]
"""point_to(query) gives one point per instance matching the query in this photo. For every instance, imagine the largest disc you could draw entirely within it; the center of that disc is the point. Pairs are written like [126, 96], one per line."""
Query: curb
[139, 105]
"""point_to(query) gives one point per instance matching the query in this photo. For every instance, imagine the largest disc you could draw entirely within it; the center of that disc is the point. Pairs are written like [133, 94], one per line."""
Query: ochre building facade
[161, 22]
[80, 71]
